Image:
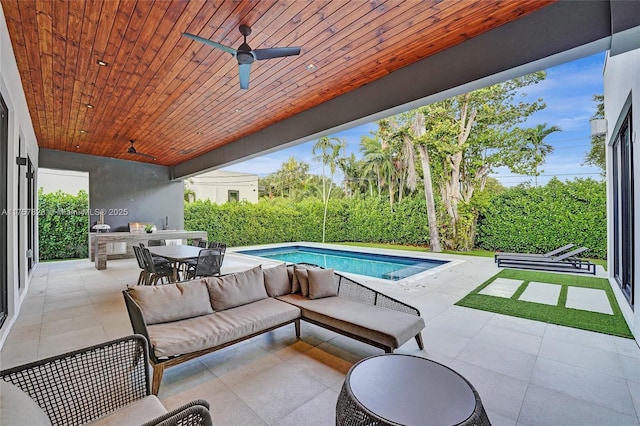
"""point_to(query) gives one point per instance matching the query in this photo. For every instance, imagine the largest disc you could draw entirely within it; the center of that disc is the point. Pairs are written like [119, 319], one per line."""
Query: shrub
[540, 219]
[63, 225]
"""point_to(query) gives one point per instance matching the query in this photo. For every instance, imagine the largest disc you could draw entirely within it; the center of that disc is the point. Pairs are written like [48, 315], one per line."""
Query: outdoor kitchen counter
[98, 242]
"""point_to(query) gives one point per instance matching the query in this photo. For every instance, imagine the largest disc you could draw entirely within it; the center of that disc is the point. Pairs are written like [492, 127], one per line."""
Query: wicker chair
[156, 270]
[106, 380]
[208, 264]
[143, 278]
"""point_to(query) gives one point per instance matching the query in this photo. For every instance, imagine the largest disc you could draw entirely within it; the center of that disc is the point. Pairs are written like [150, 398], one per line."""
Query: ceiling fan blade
[146, 155]
[244, 70]
[276, 52]
[211, 43]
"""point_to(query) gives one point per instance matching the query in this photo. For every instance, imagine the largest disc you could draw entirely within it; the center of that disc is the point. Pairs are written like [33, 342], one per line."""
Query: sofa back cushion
[276, 280]
[321, 283]
[172, 302]
[236, 289]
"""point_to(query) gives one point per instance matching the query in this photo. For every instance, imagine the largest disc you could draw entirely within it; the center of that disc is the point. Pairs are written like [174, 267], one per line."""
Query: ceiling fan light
[312, 67]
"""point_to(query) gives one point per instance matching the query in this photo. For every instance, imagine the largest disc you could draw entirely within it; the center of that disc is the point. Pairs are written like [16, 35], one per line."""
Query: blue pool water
[373, 265]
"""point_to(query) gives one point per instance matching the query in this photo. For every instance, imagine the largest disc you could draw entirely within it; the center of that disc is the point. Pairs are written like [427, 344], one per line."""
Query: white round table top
[410, 390]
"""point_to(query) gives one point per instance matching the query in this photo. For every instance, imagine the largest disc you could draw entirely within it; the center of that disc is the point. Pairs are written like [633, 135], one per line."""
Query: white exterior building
[67, 181]
[622, 114]
[221, 186]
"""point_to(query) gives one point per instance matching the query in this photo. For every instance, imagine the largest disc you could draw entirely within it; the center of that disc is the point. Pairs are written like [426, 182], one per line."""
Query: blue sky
[568, 91]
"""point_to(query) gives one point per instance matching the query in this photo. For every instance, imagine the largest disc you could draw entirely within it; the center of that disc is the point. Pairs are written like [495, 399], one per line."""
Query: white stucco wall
[622, 90]
[215, 186]
[22, 142]
[67, 181]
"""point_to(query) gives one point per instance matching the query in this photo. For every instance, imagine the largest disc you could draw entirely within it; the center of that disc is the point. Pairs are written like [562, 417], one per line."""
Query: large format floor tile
[526, 372]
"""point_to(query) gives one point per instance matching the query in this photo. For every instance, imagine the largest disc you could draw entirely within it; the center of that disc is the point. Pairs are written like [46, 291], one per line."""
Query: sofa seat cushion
[194, 334]
[18, 409]
[385, 326]
[137, 413]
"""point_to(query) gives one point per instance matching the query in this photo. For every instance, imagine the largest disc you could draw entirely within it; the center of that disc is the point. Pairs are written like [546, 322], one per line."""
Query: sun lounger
[567, 262]
[548, 254]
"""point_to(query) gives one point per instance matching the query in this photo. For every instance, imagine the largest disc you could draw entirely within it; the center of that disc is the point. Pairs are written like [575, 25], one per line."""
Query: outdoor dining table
[176, 254]
[397, 389]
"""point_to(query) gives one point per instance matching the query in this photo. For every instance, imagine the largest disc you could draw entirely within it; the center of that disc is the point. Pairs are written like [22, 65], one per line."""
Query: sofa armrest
[351, 290]
[194, 413]
[138, 324]
[80, 386]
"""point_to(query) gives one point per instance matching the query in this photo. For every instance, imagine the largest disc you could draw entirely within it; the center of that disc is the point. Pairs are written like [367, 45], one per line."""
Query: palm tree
[535, 139]
[327, 152]
[374, 158]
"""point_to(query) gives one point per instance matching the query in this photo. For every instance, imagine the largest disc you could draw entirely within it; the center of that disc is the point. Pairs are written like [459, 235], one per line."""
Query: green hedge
[541, 219]
[520, 219]
[355, 219]
[63, 225]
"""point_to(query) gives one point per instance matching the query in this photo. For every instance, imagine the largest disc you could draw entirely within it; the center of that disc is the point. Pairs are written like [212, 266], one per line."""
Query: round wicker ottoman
[394, 389]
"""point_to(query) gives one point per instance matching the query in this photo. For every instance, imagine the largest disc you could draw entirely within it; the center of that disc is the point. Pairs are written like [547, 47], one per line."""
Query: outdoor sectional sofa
[188, 319]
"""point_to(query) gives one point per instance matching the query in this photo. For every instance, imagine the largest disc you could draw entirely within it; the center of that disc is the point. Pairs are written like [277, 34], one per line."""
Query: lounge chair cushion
[276, 280]
[236, 289]
[381, 325]
[194, 334]
[321, 283]
[18, 409]
[137, 413]
[171, 302]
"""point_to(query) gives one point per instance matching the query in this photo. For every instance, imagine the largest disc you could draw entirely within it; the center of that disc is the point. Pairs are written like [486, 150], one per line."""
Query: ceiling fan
[132, 150]
[245, 55]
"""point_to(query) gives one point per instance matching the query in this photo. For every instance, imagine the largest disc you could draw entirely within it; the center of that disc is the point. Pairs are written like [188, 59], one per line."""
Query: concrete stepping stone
[547, 294]
[502, 287]
[588, 299]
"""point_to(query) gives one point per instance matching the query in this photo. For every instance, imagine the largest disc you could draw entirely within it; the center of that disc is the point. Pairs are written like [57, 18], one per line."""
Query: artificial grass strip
[560, 315]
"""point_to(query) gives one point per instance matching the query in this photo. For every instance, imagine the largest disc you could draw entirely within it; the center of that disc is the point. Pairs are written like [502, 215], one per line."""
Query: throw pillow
[276, 280]
[300, 273]
[321, 283]
[295, 284]
[236, 289]
[17, 408]
[172, 302]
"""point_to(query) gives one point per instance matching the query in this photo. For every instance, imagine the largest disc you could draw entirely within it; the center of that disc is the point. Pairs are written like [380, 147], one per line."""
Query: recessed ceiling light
[77, 146]
[312, 67]
[83, 131]
[198, 133]
[102, 63]
[237, 110]
[88, 106]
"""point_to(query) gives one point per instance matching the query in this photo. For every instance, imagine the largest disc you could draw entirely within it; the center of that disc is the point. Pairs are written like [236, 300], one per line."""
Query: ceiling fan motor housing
[245, 57]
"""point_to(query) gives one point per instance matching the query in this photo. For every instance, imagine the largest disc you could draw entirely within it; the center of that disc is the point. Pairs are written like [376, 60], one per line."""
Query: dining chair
[156, 243]
[143, 278]
[208, 264]
[220, 246]
[157, 271]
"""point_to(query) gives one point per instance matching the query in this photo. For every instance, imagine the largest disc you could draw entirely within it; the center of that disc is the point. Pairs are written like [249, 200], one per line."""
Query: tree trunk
[432, 220]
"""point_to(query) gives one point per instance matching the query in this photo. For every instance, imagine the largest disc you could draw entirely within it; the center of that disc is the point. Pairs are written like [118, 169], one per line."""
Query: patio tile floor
[526, 372]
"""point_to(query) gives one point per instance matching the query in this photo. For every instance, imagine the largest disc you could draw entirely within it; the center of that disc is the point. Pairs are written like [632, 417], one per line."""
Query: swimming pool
[373, 265]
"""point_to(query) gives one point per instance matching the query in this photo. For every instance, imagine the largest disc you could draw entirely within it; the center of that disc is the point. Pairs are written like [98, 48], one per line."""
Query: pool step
[406, 272]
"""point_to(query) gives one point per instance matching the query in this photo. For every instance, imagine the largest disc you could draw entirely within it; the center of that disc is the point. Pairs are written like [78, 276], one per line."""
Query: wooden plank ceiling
[179, 99]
